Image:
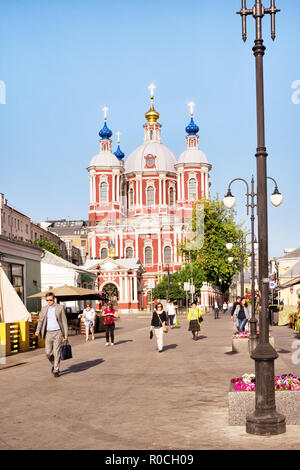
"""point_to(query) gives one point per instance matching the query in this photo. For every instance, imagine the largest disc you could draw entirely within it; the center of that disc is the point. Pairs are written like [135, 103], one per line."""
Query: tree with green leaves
[206, 258]
[47, 245]
[219, 228]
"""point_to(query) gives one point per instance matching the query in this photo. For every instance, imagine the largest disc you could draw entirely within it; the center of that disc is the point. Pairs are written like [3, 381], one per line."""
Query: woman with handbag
[89, 316]
[194, 319]
[159, 325]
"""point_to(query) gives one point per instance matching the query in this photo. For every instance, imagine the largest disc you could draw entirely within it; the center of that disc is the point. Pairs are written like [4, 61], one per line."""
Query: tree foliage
[47, 245]
[209, 262]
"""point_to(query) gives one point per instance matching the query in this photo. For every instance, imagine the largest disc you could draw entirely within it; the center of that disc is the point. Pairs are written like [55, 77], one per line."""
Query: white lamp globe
[229, 246]
[229, 201]
[230, 259]
[276, 198]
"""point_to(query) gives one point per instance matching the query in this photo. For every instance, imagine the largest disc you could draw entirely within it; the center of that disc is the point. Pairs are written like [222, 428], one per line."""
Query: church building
[140, 208]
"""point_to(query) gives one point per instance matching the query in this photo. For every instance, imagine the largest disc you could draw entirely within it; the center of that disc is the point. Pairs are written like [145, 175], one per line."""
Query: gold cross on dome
[152, 88]
[118, 134]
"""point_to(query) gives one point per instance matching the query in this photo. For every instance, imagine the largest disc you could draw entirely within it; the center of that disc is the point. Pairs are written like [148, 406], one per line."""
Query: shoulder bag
[164, 327]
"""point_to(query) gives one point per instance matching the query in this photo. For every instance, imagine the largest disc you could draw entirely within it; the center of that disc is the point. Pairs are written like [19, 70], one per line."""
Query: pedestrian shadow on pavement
[283, 351]
[202, 337]
[82, 366]
[170, 346]
[231, 353]
[124, 341]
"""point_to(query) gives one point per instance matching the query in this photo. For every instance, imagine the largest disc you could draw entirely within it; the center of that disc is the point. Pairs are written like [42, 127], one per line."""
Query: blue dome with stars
[192, 128]
[119, 154]
[105, 132]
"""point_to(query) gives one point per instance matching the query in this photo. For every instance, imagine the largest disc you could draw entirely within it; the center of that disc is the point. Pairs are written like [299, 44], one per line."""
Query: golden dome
[152, 115]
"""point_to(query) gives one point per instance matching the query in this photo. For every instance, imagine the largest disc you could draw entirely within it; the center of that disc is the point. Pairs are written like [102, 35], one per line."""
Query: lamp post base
[269, 424]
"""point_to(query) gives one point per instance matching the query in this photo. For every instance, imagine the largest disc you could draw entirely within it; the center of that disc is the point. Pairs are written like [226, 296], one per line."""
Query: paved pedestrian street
[129, 396]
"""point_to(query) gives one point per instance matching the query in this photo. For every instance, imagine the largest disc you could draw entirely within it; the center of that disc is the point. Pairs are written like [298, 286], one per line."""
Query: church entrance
[110, 292]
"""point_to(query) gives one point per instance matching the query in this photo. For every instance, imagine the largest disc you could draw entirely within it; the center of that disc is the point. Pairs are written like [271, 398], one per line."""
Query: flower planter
[241, 345]
[241, 398]
[242, 404]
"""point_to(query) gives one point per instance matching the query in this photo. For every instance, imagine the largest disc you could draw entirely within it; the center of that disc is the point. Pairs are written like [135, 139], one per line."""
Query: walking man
[216, 310]
[53, 326]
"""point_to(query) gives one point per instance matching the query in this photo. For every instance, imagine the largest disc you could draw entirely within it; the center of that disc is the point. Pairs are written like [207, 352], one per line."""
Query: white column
[113, 187]
[91, 189]
[202, 184]
[159, 247]
[178, 188]
[175, 248]
[94, 188]
[206, 185]
[121, 288]
[135, 295]
[141, 193]
[136, 245]
[164, 186]
[126, 288]
[137, 191]
[182, 187]
[121, 244]
[93, 245]
[179, 241]
[159, 191]
[118, 188]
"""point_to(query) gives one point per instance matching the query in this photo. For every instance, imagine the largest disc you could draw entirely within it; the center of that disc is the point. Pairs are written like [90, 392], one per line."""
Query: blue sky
[63, 60]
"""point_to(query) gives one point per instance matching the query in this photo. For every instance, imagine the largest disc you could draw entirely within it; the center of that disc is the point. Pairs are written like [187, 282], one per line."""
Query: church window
[167, 255]
[103, 191]
[150, 196]
[171, 196]
[129, 252]
[148, 255]
[192, 189]
[104, 253]
[131, 197]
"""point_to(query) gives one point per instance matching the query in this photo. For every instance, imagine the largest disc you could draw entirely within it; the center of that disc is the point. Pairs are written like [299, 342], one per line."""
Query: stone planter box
[242, 404]
[241, 345]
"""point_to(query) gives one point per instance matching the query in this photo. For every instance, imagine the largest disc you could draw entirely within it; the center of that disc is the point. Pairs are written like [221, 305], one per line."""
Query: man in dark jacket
[53, 326]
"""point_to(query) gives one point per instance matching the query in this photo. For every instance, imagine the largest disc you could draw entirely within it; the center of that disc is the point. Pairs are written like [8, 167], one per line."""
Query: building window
[104, 253]
[131, 197]
[148, 255]
[171, 196]
[150, 196]
[103, 192]
[167, 255]
[192, 189]
[129, 252]
[15, 274]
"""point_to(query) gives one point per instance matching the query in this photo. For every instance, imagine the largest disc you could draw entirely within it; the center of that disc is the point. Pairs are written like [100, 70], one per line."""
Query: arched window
[167, 255]
[192, 189]
[131, 197]
[129, 252]
[150, 196]
[171, 196]
[104, 253]
[103, 191]
[148, 255]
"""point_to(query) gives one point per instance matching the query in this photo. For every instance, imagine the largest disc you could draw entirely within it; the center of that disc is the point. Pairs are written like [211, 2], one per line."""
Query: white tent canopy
[12, 308]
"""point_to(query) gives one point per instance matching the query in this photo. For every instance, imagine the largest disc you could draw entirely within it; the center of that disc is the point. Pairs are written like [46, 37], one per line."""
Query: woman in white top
[171, 311]
[89, 316]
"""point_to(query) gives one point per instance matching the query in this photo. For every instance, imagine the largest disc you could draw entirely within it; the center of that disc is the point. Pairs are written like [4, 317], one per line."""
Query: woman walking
[242, 314]
[194, 316]
[109, 315]
[89, 316]
[171, 311]
[159, 325]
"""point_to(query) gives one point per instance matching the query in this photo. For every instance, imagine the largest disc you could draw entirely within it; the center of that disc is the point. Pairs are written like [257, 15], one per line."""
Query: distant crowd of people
[53, 324]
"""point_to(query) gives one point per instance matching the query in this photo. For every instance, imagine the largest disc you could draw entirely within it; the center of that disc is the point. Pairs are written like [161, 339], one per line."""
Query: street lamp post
[229, 201]
[265, 420]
